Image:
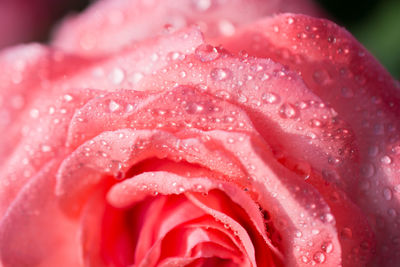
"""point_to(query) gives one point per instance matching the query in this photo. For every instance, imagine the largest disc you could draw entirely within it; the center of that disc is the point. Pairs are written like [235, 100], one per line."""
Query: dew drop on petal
[397, 188]
[220, 74]
[288, 111]
[206, 53]
[319, 257]
[305, 259]
[346, 233]
[327, 247]
[113, 106]
[270, 98]
[347, 92]
[387, 193]
[68, 98]
[367, 170]
[321, 77]
[386, 160]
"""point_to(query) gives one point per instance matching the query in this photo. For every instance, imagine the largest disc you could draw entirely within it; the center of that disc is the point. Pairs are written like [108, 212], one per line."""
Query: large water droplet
[206, 52]
[288, 111]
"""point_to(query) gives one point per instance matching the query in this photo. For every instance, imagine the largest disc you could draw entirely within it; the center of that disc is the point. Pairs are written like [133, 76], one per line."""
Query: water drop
[288, 111]
[327, 247]
[270, 98]
[206, 53]
[242, 99]
[315, 123]
[305, 259]
[387, 193]
[299, 234]
[373, 151]
[367, 170]
[113, 106]
[192, 108]
[290, 20]
[392, 212]
[328, 217]
[397, 188]
[220, 74]
[315, 231]
[386, 160]
[321, 77]
[347, 92]
[68, 98]
[346, 233]
[319, 257]
[331, 39]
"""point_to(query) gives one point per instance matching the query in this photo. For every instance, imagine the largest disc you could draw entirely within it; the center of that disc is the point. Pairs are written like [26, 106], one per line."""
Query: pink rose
[138, 139]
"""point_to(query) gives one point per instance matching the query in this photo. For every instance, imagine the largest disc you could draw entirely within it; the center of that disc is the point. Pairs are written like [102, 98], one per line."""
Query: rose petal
[108, 26]
[287, 198]
[51, 101]
[345, 75]
[172, 110]
[113, 153]
[133, 190]
[285, 117]
[42, 136]
[21, 244]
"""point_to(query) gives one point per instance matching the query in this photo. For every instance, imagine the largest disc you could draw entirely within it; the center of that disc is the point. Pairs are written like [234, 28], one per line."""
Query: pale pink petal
[284, 117]
[108, 26]
[173, 110]
[33, 226]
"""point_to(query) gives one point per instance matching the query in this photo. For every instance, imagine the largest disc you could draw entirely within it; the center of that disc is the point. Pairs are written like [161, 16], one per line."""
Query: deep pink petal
[344, 74]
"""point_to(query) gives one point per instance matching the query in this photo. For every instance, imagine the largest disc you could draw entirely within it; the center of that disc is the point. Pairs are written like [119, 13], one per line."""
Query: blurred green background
[376, 24]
